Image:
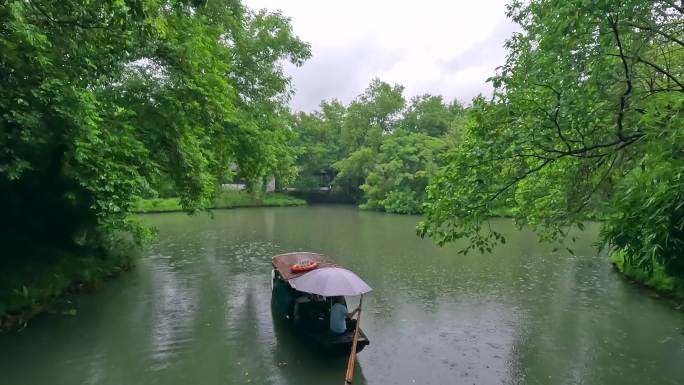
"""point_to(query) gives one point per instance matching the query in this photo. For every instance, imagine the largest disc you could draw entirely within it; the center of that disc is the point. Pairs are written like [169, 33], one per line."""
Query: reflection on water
[173, 312]
[197, 310]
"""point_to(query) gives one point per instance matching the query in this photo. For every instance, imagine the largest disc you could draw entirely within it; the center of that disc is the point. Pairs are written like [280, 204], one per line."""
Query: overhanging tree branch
[619, 145]
[657, 31]
[512, 183]
[628, 77]
[657, 68]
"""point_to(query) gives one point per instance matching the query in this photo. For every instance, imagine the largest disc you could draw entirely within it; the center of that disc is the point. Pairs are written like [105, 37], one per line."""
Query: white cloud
[439, 47]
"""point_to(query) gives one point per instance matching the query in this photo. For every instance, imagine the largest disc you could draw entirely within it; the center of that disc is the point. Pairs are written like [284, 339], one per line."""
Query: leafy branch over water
[588, 113]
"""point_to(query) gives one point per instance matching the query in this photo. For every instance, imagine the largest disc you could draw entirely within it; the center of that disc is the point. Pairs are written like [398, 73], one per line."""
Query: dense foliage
[402, 169]
[318, 143]
[104, 101]
[588, 113]
[376, 150]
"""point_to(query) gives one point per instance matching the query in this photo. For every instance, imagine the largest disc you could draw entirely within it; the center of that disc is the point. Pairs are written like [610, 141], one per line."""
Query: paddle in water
[352, 356]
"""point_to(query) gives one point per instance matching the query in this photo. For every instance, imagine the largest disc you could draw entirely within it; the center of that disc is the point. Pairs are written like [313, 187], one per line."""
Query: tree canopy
[428, 114]
[381, 152]
[587, 114]
[401, 172]
[102, 100]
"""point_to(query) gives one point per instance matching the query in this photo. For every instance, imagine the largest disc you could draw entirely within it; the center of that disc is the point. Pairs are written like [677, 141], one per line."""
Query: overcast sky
[446, 47]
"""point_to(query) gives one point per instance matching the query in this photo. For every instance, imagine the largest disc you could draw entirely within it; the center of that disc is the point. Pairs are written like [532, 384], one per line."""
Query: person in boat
[298, 304]
[339, 315]
[310, 310]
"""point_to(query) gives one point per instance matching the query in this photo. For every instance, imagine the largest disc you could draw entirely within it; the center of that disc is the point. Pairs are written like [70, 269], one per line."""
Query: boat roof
[283, 262]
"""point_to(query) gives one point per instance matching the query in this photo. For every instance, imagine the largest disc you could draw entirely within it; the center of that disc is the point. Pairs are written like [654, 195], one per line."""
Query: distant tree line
[379, 149]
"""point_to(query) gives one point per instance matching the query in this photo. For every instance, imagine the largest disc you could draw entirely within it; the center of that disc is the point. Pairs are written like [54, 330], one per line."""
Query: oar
[352, 355]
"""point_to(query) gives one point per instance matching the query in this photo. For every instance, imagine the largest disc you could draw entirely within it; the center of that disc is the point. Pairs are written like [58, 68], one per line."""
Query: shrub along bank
[43, 277]
[657, 279]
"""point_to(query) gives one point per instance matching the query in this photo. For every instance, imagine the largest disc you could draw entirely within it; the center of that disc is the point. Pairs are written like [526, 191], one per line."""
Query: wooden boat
[308, 314]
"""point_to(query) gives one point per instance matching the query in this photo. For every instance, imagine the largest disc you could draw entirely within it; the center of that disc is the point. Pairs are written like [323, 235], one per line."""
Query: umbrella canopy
[330, 281]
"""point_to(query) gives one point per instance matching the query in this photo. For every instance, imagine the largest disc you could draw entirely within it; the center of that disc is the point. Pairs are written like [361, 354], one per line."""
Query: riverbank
[41, 278]
[225, 200]
[658, 280]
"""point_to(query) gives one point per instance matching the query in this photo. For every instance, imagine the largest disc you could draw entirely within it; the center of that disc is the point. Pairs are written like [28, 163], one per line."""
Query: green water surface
[196, 310]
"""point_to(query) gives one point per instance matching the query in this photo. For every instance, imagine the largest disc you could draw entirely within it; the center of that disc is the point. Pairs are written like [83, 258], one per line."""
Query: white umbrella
[330, 281]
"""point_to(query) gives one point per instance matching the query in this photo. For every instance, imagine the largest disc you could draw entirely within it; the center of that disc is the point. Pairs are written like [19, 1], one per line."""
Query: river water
[196, 310]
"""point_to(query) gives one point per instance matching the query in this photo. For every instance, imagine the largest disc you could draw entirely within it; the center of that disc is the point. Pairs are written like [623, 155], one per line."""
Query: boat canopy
[283, 263]
[330, 281]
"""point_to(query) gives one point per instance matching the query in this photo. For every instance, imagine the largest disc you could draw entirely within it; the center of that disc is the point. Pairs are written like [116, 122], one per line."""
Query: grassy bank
[225, 200]
[657, 280]
[38, 278]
